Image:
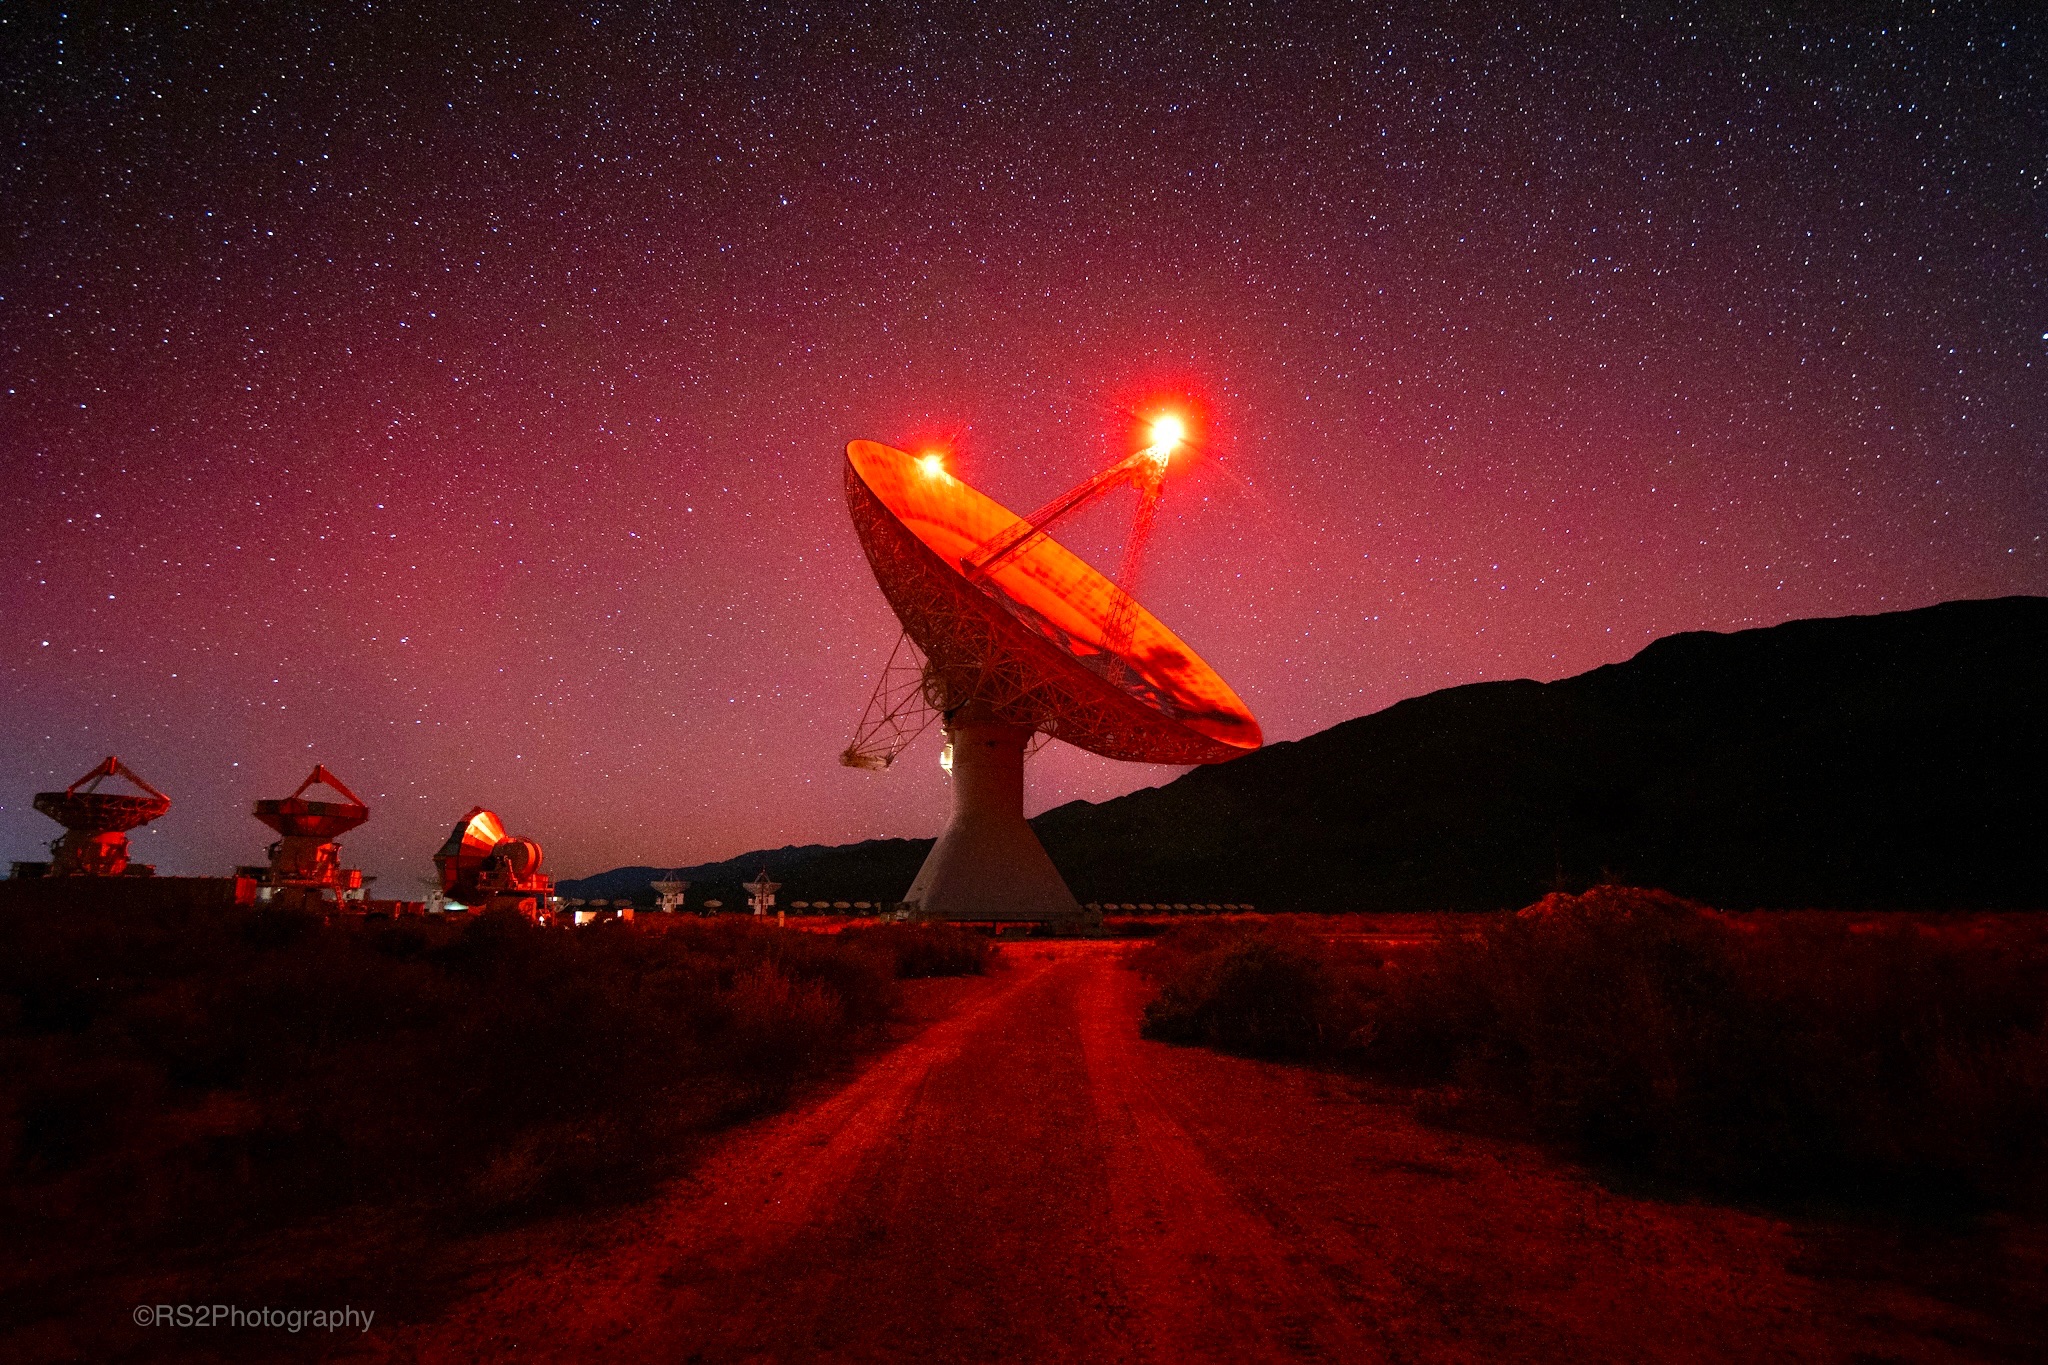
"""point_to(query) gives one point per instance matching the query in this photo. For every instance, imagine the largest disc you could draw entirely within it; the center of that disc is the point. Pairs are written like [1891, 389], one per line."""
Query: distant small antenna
[669, 892]
[762, 892]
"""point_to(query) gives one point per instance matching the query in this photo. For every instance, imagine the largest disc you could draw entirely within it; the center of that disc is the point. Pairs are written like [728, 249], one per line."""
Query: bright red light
[1175, 418]
[1168, 431]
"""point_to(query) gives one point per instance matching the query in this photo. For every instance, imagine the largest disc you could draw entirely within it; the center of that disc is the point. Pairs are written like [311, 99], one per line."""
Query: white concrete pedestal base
[988, 865]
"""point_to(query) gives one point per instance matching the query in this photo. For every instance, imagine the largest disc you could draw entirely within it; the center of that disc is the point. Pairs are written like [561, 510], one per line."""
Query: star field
[458, 398]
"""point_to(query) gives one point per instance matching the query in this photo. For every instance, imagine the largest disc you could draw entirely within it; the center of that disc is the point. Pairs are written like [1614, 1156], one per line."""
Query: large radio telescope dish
[1020, 638]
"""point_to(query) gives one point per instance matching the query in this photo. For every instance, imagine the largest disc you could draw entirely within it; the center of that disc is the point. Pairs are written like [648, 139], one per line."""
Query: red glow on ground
[1094, 1195]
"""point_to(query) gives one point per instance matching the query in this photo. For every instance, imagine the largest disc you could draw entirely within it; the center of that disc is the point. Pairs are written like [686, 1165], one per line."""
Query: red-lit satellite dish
[1029, 636]
[483, 867]
[1019, 635]
[467, 849]
[297, 818]
[97, 822]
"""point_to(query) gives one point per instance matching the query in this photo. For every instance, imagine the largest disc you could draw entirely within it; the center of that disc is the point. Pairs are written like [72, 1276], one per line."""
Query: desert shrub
[1761, 1053]
[1275, 991]
[174, 1077]
[1166, 955]
[927, 950]
[773, 1022]
[1258, 994]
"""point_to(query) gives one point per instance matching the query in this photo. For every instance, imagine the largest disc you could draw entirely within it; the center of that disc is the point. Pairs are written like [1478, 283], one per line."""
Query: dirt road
[1029, 1180]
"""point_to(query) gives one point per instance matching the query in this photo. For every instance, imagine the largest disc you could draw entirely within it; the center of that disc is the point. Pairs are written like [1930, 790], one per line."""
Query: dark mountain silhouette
[1867, 761]
[875, 869]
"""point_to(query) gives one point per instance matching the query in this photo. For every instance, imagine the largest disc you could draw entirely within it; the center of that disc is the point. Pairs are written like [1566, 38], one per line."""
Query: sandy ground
[1028, 1179]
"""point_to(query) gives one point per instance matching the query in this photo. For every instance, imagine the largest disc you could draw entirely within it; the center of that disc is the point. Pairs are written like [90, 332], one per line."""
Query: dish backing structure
[96, 824]
[1019, 636]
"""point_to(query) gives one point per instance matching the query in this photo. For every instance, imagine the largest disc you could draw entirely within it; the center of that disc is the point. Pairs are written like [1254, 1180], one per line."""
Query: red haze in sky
[458, 400]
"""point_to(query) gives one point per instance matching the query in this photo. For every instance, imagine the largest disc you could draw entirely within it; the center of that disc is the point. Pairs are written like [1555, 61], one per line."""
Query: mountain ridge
[1866, 761]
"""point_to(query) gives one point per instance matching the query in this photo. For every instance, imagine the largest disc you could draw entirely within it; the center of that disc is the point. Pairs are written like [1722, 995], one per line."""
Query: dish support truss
[907, 699]
[897, 712]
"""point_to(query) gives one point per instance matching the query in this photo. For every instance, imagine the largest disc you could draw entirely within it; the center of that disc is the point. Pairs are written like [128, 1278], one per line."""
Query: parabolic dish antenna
[1020, 635]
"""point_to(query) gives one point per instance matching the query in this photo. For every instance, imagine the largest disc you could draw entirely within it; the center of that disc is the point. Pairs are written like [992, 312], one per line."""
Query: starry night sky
[458, 400]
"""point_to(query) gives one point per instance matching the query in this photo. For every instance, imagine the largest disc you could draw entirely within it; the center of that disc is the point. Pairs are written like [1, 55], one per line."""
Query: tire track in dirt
[674, 1278]
[1434, 1247]
[1214, 1280]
